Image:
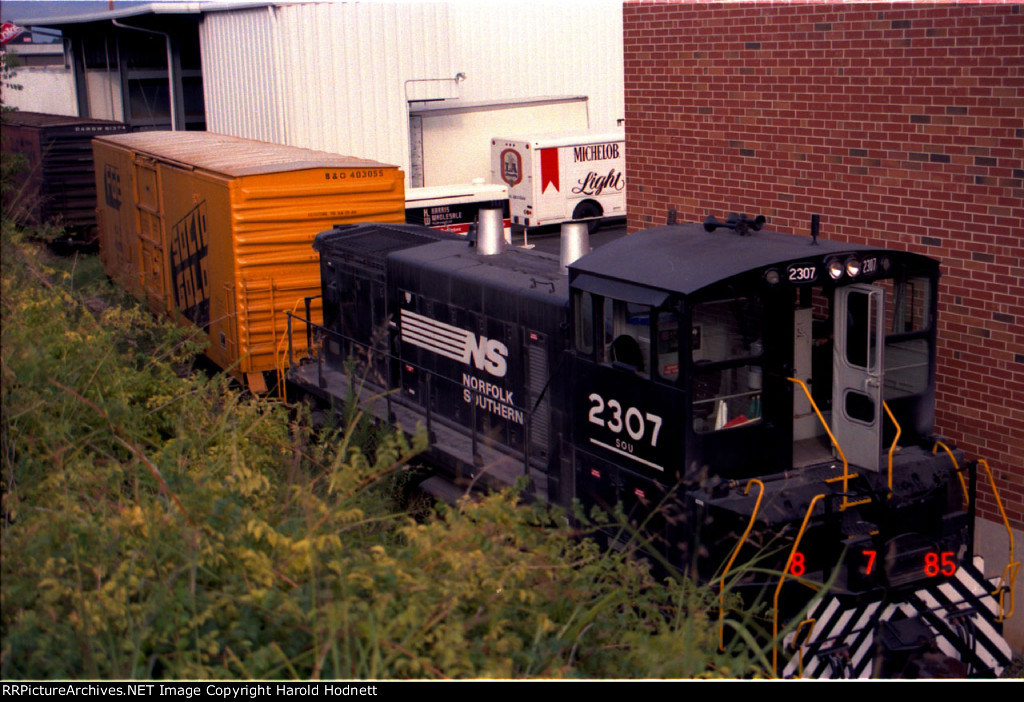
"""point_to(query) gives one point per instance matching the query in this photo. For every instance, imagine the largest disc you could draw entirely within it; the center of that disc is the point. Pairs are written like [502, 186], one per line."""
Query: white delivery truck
[554, 178]
[454, 207]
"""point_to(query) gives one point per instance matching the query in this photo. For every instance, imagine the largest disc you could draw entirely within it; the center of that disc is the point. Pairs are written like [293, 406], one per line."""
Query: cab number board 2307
[631, 428]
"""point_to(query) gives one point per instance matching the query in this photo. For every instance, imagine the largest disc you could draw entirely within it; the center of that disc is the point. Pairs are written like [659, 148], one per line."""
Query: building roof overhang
[142, 10]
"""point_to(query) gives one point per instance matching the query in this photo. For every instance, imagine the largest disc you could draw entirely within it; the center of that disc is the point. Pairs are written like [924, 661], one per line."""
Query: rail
[279, 359]
[1012, 567]
[798, 642]
[835, 444]
[732, 559]
[308, 301]
[895, 440]
[782, 579]
[956, 466]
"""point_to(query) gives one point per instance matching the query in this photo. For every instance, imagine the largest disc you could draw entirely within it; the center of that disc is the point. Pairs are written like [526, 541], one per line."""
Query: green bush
[163, 524]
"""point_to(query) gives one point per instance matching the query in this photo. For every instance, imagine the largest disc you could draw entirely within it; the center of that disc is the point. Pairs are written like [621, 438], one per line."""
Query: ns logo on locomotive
[741, 393]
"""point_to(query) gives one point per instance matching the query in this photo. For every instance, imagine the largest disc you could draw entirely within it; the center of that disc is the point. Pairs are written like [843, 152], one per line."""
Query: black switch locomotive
[744, 394]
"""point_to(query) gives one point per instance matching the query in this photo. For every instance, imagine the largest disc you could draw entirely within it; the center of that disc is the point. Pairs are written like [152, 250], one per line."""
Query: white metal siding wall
[530, 49]
[346, 78]
[239, 74]
[49, 90]
[333, 76]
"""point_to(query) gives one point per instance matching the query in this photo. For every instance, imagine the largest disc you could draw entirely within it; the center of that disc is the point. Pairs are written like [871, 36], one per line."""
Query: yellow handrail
[835, 444]
[894, 441]
[963, 485]
[778, 588]
[809, 624]
[1012, 566]
[279, 356]
[1009, 576]
[721, 587]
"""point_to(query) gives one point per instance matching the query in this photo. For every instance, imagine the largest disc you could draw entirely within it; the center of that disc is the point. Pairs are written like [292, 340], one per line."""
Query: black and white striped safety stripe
[443, 339]
[961, 613]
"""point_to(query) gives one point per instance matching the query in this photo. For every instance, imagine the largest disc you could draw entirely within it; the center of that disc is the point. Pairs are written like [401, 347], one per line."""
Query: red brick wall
[902, 125]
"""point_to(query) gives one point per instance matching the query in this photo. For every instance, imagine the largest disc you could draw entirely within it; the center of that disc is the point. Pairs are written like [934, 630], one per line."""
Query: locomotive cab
[716, 358]
[756, 397]
[717, 331]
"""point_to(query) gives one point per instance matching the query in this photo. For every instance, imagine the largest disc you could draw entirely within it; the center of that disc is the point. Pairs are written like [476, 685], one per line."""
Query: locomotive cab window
[627, 336]
[726, 347]
[907, 329]
[585, 323]
[630, 336]
[667, 345]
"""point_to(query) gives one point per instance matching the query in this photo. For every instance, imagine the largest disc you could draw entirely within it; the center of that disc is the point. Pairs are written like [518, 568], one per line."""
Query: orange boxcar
[216, 231]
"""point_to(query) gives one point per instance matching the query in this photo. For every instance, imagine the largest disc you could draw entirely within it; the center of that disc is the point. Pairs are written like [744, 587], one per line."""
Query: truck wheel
[586, 210]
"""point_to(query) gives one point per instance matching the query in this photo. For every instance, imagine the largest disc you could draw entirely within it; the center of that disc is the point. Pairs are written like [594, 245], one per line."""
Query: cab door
[857, 363]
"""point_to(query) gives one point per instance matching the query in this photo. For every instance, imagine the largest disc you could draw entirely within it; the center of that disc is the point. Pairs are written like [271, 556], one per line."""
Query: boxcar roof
[685, 258]
[234, 156]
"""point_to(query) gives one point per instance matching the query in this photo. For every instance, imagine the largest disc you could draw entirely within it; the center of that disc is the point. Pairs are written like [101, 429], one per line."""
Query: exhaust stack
[490, 233]
[575, 243]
